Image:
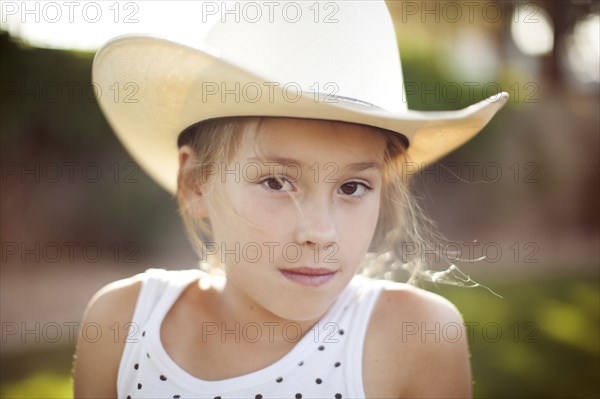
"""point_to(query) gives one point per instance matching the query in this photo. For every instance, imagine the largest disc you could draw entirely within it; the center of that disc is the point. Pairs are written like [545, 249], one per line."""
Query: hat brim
[151, 89]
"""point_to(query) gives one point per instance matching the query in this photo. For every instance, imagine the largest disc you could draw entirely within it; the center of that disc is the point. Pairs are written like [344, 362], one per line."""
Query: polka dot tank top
[325, 363]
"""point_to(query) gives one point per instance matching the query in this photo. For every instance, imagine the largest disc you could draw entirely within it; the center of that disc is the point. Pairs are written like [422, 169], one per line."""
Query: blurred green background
[540, 339]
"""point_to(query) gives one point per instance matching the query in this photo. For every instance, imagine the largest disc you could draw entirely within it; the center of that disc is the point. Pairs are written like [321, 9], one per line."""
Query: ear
[189, 188]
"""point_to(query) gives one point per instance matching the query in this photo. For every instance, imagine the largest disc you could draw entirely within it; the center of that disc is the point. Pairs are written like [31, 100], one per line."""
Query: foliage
[39, 385]
[540, 340]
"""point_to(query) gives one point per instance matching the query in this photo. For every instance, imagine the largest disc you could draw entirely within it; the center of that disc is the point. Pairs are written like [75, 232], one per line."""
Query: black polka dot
[318, 380]
[139, 386]
[217, 397]
[321, 348]
[128, 396]
[279, 379]
[338, 396]
[341, 332]
[148, 355]
[136, 366]
[163, 378]
[176, 396]
[337, 364]
[144, 334]
[258, 396]
[298, 396]
[300, 364]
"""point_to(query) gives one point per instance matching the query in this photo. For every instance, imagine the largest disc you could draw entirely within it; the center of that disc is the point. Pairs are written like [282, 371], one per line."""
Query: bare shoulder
[425, 333]
[419, 304]
[101, 339]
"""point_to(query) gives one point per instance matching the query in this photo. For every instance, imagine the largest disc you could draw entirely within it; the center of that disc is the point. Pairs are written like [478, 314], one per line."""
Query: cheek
[263, 215]
[357, 226]
[370, 212]
[258, 218]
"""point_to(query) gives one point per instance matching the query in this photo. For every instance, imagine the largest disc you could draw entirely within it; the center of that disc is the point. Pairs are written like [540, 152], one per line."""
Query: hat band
[186, 135]
[335, 99]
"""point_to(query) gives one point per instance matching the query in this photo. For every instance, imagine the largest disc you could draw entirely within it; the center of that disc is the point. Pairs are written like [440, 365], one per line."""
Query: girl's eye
[277, 184]
[354, 189]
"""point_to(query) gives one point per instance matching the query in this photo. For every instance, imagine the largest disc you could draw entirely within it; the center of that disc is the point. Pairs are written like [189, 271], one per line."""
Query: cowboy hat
[290, 60]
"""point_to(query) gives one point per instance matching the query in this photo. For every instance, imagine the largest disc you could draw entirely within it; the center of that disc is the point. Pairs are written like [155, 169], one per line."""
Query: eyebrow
[354, 167]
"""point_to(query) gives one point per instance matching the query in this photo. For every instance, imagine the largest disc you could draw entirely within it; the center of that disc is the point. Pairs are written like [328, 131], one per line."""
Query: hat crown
[345, 49]
[349, 45]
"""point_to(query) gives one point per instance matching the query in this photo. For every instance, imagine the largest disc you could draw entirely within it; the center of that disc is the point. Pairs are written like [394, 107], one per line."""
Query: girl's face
[321, 213]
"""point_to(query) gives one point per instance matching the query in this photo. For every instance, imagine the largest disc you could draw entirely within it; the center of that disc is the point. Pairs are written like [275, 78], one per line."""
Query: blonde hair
[402, 221]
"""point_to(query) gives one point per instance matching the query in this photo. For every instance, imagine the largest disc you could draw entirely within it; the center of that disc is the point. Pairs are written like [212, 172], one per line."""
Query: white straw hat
[342, 64]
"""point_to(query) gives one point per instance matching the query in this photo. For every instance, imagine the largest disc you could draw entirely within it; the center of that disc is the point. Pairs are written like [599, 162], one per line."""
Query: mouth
[307, 276]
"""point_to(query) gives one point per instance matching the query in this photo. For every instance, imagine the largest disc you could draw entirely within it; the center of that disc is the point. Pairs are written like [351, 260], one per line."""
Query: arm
[432, 346]
[99, 350]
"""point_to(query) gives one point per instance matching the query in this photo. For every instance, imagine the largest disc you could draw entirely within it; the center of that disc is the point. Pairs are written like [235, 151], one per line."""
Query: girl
[287, 143]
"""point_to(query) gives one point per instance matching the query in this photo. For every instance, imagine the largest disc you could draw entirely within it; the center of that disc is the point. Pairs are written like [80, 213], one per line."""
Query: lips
[309, 271]
[310, 277]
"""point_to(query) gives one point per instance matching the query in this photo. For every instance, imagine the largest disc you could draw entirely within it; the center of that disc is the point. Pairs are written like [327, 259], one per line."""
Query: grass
[39, 385]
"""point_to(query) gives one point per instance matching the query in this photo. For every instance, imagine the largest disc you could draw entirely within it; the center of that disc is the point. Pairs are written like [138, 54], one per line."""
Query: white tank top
[325, 363]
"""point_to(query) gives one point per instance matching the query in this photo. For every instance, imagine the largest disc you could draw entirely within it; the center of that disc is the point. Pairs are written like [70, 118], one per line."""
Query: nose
[316, 224]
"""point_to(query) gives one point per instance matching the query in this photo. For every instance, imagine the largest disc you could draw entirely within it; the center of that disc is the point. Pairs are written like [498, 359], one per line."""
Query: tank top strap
[367, 292]
[159, 288]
